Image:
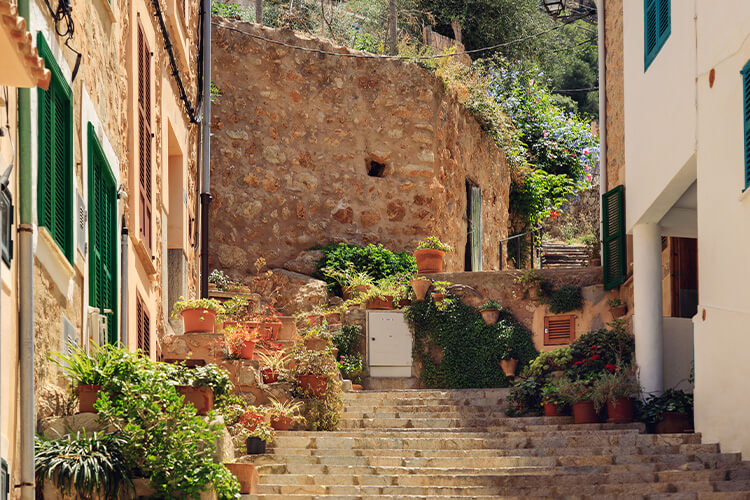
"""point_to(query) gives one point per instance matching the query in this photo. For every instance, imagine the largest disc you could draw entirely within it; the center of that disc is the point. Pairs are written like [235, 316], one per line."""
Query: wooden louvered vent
[143, 327]
[559, 330]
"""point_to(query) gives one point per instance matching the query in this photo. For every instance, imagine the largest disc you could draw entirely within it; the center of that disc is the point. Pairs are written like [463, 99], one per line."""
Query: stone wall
[295, 133]
[615, 95]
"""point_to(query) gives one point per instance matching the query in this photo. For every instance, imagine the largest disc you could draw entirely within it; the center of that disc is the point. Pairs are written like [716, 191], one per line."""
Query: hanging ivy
[471, 348]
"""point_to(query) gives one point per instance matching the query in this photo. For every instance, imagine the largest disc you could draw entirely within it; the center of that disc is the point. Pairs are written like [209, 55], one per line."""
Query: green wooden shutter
[55, 156]
[657, 26]
[102, 204]
[746, 119]
[613, 238]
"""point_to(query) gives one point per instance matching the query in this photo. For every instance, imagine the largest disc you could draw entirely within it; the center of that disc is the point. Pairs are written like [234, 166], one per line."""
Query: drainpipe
[600, 21]
[26, 287]
[206, 146]
[124, 284]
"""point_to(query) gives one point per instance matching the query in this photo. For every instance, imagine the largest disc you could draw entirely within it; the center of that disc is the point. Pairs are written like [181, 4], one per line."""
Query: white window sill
[54, 262]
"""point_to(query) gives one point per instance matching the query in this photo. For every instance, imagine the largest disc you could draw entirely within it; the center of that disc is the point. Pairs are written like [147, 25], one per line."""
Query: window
[6, 223]
[144, 138]
[143, 327]
[102, 197]
[613, 238]
[55, 138]
[657, 27]
[375, 168]
[473, 253]
[746, 119]
[559, 330]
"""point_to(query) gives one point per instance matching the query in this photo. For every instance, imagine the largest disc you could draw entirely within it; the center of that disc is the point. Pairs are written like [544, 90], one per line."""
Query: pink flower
[588, 177]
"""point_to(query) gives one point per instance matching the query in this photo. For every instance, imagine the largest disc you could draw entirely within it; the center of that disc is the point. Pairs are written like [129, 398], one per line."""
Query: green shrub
[378, 262]
[525, 397]
[654, 408]
[564, 299]
[593, 351]
[352, 367]
[346, 339]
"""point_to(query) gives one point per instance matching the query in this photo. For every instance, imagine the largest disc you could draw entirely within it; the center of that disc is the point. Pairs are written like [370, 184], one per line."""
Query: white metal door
[389, 344]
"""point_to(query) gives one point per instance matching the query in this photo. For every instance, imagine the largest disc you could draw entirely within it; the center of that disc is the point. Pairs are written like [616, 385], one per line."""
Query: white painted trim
[55, 263]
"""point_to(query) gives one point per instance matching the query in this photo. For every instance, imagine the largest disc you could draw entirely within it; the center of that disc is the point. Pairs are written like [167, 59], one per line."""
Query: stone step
[704, 495]
[501, 392]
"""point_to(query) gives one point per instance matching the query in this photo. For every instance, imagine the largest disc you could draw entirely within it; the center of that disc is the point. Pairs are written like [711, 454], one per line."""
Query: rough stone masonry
[311, 148]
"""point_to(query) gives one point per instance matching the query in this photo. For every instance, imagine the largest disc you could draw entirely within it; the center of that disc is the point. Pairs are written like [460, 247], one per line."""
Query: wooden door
[684, 268]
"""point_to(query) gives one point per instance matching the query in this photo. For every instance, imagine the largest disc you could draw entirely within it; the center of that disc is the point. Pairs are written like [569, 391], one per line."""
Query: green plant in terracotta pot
[617, 308]
[353, 283]
[490, 312]
[313, 370]
[200, 385]
[579, 394]
[273, 366]
[198, 315]
[257, 430]
[317, 338]
[284, 414]
[668, 413]
[240, 341]
[429, 255]
[617, 388]
[381, 296]
[507, 350]
[236, 310]
[530, 283]
[554, 404]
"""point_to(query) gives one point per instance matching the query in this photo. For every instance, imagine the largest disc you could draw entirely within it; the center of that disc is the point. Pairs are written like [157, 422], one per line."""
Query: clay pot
[335, 353]
[314, 319]
[269, 376]
[673, 422]
[438, 297]
[429, 260]
[212, 286]
[552, 410]
[619, 311]
[583, 413]
[268, 330]
[246, 475]
[420, 287]
[621, 412]
[403, 303]
[317, 385]
[316, 344]
[202, 398]
[348, 292]
[490, 316]
[255, 446]
[281, 423]
[382, 304]
[356, 387]
[199, 320]
[333, 318]
[248, 349]
[87, 396]
[509, 367]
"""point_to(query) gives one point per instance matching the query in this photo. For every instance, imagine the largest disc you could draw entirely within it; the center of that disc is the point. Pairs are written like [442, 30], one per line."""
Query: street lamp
[554, 7]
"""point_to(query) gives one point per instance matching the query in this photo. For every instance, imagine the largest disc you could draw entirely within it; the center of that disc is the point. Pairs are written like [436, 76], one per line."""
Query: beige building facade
[104, 181]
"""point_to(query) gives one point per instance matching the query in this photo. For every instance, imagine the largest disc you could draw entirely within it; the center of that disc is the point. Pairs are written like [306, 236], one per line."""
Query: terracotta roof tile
[15, 26]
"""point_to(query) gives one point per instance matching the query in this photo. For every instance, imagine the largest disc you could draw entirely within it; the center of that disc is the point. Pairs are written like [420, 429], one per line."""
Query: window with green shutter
[614, 259]
[657, 27]
[55, 158]
[746, 119]
[102, 203]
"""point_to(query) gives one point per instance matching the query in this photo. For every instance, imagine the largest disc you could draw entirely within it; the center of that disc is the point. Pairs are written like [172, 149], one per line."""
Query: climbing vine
[472, 349]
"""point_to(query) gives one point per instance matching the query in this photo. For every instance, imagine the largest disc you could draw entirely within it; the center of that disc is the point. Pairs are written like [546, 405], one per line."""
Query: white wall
[660, 114]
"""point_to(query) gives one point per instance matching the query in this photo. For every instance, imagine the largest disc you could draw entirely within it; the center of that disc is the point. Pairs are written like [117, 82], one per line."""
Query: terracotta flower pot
[335, 353]
[349, 292]
[420, 287]
[87, 396]
[438, 297]
[403, 303]
[255, 446]
[314, 384]
[583, 413]
[281, 423]
[269, 376]
[429, 260]
[621, 412]
[509, 367]
[202, 398]
[553, 410]
[490, 316]
[333, 318]
[385, 303]
[268, 330]
[356, 387]
[619, 311]
[316, 343]
[199, 320]
[673, 423]
[314, 319]
[247, 349]
[246, 475]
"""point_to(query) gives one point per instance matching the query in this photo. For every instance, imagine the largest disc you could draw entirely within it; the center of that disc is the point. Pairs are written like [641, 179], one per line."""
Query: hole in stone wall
[374, 168]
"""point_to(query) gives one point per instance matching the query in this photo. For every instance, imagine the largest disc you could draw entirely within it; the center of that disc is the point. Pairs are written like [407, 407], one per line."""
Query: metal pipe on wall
[124, 283]
[206, 147]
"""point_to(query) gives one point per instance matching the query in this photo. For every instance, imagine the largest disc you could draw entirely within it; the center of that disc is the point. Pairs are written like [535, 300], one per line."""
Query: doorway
[473, 253]
[684, 271]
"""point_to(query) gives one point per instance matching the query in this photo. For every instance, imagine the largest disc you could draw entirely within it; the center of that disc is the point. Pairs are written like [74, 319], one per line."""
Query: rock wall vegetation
[294, 136]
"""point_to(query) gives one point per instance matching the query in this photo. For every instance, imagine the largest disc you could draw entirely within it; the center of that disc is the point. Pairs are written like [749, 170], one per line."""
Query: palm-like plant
[276, 362]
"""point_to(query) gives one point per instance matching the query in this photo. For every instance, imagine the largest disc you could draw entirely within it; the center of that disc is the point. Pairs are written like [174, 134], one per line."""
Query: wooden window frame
[145, 138]
[571, 318]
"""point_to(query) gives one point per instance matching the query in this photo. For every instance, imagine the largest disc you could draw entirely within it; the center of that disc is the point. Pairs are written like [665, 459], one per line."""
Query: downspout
[124, 283]
[601, 21]
[26, 287]
[206, 146]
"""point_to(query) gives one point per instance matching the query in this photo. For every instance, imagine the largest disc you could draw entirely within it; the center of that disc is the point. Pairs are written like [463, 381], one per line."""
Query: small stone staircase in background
[559, 255]
[423, 444]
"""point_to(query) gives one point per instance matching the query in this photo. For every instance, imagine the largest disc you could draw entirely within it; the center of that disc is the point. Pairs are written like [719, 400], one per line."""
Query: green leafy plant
[89, 466]
[235, 338]
[564, 299]
[276, 362]
[183, 303]
[551, 394]
[622, 382]
[616, 302]
[352, 367]
[671, 400]
[236, 309]
[215, 92]
[348, 277]
[319, 363]
[374, 260]
[596, 350]
[575, 391]
[549, 361]
[347, 339]
[322, 414]
[528, 280]
[289, 409]
[525, 397]
[490, 304]
[220, 279]
[441, 286]
[209, 375]
[432, 242]
[253, 422]
[106, 365]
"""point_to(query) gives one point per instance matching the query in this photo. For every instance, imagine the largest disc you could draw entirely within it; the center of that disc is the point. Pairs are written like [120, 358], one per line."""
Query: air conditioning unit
[98, 326]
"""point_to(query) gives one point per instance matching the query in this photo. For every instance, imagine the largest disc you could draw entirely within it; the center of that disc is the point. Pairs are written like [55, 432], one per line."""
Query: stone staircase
[559, 255]
[413, 444]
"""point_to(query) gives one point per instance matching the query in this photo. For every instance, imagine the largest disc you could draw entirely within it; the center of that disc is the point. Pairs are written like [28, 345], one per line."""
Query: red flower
[578, 363]
[594, 348]
[610, 367]
[595, 357]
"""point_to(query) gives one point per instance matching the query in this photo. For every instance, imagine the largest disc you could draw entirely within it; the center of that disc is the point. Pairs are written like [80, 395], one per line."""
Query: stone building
[311, 147]
[107, 144]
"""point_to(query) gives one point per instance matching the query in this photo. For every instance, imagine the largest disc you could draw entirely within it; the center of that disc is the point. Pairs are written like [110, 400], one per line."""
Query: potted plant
[668, 413]
[246, 475]
[317, 338]
[267, 322]
[258, 431]
[219, 280]
[313, 369]
[272, 366]
[381, 295]
[420, 287]
[333, 316]
[617, 387]
[240, 341]
[284, 415]
[617, 308]
[198, 315]
[200, 385]
[351, 367]
[530, 283]
[429, 255]
[579, 395]
[440, 290]
[507, 351]
[554, 404]
[490, 312]
[353, 283]
[236, 310]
